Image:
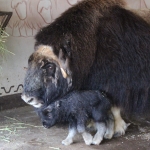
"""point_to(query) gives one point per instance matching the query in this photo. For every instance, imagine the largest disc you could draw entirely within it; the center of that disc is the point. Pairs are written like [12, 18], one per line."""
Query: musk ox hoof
[88, 141]
[120, 128]
[109, 135]
[110, 130]
[97, 140]
[67, 142]
[88, 138]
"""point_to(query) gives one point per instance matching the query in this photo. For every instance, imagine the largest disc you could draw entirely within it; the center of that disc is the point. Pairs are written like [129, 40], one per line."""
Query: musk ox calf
[95, 45]
[77, 108]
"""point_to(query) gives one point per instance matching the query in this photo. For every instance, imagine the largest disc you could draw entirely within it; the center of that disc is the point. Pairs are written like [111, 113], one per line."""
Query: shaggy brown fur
[95, 45]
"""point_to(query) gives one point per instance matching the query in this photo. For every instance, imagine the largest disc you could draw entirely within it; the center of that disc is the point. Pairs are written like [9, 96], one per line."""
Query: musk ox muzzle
[45, 125]
[32, 101]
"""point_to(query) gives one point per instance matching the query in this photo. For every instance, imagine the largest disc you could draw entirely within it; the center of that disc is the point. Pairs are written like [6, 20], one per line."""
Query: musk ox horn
[64, 64]
[63, 73]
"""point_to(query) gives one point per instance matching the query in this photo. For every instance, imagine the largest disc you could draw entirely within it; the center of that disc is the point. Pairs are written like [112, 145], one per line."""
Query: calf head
[47, 77]
[49, 115]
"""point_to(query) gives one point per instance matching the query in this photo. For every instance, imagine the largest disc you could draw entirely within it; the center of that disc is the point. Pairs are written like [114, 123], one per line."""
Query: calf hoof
[88, 141]
[108, 135]
[96, 140]
[67, 142]
[88, 138]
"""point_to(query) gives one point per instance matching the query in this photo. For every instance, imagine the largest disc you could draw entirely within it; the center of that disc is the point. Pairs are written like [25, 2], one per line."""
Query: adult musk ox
[95, 45]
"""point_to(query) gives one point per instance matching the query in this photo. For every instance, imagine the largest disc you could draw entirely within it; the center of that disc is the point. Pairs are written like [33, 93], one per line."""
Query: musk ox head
[47, 77]
[50, 114]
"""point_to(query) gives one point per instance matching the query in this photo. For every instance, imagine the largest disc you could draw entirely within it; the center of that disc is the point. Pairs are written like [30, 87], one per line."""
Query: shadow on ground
[20, 129]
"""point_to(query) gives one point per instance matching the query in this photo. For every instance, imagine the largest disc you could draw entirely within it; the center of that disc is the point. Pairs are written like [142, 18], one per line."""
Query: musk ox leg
[98, 137]
[88, 138]
[32, 101]
[110, 124]
[71, 134]
[120, 125]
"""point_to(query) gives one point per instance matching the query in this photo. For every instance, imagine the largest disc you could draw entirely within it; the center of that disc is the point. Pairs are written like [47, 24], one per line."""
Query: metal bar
[5, 20]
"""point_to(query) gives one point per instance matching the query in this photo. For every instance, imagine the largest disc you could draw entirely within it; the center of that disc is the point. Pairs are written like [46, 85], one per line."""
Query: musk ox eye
[49, 69]
[49, 115]
[49, 66]
[49, 110]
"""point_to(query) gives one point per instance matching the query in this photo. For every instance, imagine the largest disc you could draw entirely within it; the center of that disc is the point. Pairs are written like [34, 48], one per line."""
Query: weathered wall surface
[28, 17]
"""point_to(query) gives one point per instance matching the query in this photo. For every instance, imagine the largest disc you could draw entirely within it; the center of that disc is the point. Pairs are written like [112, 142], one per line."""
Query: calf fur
[77, 108]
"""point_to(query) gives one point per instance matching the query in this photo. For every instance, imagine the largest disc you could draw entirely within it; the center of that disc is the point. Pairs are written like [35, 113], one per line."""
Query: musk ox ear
[66, 48]
[48, 109]
[57, 104]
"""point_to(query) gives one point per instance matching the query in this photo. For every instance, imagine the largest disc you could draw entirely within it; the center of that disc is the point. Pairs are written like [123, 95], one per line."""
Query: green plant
[3, 50]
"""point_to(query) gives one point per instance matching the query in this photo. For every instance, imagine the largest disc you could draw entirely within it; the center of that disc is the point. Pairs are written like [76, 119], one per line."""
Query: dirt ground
[20, 129]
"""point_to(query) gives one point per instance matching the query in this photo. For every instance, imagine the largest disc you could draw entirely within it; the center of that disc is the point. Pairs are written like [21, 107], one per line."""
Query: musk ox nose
[45, 125]
[32, 101]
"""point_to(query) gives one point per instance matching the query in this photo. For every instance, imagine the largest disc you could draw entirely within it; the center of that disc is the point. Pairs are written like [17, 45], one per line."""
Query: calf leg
[86, 136]
[109, 127]
[98, 137]
[71, 134]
